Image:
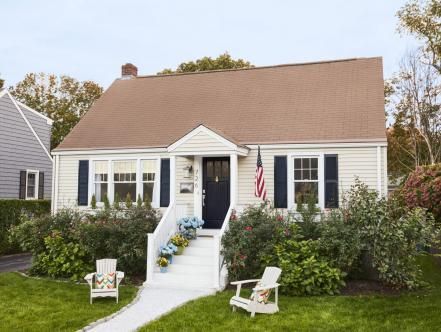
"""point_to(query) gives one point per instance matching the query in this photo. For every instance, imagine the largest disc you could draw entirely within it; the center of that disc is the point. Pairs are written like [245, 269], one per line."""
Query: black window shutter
[41, 185]
[83, 182]
[165, 183]
[331, 181]
[280, 182]
[22, 187]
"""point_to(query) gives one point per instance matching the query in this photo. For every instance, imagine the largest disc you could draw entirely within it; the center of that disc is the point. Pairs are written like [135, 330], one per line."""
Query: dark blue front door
[215, 191]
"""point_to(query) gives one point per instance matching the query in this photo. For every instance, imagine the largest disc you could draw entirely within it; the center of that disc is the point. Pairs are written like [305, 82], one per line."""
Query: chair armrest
[260, 288]
[119, 277]
[244, 281]
[89, 278]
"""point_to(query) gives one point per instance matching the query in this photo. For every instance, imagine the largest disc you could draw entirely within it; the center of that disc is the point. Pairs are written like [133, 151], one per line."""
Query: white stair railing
[165, 229]
[218, 247]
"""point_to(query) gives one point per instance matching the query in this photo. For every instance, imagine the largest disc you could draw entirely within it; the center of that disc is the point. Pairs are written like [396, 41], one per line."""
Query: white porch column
[234, 176]
[172, 179]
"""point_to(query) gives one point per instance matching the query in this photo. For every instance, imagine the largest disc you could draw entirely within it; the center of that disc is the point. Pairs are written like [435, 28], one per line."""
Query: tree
[415, 105]
[223, 61]
[423, 20]
[63, 99]
[1, 83]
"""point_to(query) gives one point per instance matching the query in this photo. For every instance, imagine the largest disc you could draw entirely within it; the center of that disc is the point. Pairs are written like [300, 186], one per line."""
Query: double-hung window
[306, 179]
[124, 178]
[101, 179]
[31, 184]
[148, 168]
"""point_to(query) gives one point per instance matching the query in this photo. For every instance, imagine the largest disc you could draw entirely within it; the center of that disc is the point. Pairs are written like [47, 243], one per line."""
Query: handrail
[165, 228]
[218, 247]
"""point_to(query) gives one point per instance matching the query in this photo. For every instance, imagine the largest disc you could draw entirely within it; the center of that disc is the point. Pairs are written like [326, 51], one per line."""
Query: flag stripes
[259, 183]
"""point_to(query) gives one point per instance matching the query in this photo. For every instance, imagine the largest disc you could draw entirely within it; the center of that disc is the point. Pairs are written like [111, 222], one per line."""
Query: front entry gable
[205, 141]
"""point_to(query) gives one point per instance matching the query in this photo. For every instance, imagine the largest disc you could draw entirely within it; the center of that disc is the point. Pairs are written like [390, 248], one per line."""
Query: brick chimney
[129, 70]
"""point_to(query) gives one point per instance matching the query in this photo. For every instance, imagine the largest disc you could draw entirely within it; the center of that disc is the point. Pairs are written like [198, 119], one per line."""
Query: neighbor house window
[148, 168]
[306, 180]
[31, 184]
[101, 179]
[124, 178]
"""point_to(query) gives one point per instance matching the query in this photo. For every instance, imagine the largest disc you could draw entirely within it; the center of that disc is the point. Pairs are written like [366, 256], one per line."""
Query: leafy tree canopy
[223, 61]
[1, 83]
[422, 19]
[63, 99]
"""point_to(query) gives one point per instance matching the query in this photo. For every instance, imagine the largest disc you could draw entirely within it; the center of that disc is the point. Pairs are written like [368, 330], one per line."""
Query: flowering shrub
[188, 225]
[423, 189]
[250, 236]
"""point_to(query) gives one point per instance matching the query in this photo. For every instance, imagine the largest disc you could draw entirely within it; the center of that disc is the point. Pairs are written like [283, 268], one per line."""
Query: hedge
[10, 212]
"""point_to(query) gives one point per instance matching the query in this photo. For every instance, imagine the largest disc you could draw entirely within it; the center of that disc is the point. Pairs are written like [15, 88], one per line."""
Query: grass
[412, 311]
[28, 304]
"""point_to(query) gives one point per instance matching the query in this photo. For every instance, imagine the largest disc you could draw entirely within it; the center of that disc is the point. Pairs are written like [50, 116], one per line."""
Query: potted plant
[163, 264]
[167, 252]
[180, 242]
[188, 226]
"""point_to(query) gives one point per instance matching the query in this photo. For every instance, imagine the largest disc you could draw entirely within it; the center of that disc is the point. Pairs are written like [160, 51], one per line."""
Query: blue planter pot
[163, 269]
[170, 259]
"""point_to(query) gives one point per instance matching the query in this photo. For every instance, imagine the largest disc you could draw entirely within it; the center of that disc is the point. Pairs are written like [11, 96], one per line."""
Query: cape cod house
[25, 160]
[188, 143]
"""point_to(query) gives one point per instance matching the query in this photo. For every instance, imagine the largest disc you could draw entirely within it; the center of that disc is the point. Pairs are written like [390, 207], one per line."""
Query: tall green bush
[383, 230]
[82, 238]
[304, 272]
[11, 211]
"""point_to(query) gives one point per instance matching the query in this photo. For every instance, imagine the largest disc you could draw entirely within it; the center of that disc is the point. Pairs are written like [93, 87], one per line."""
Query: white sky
[90, 40]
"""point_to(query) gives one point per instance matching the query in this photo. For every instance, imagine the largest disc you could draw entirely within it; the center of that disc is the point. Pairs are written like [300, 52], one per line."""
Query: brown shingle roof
[338, 101]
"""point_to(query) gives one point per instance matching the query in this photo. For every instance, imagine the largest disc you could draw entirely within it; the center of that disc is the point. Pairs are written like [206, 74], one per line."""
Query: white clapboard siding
[184, 198]
[354, 161]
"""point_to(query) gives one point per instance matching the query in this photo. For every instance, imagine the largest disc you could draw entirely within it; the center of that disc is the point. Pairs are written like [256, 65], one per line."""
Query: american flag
[259, 190]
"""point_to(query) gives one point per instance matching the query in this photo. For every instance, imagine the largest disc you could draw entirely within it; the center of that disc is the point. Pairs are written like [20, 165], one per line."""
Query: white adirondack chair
[104, 266]
[268, 282]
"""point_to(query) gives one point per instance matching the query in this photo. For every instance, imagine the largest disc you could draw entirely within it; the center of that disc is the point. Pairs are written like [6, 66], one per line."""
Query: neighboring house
[188, 143]
[25, 160]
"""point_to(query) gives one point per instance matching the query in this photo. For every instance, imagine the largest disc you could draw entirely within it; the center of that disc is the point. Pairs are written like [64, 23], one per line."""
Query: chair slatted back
[270, 275]
[107, 265]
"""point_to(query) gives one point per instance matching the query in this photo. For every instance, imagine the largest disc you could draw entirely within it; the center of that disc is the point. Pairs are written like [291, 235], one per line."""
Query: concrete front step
[202, 242]
[189, 269]
[198, 251]
[193, 260]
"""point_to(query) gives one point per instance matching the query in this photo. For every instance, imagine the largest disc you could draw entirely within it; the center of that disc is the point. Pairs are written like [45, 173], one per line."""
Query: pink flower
[248, 228]
[279, 218]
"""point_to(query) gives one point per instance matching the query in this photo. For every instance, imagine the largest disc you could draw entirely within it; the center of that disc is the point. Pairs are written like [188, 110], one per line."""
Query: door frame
[204, 178]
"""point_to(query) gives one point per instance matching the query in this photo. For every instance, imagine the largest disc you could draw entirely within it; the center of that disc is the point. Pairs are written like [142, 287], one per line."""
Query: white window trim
[321, 177]
[37, 179]
[110, 183]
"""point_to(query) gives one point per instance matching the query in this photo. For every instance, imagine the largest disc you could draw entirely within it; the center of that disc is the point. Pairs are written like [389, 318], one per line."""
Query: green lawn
[28, 304]
[417, 311]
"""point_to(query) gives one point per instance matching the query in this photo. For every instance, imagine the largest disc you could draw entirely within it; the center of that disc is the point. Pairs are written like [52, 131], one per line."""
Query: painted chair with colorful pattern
[259, 299]
[107, 279]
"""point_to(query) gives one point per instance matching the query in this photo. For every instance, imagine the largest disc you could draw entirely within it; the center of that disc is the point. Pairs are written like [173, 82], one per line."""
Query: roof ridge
[256, 68]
